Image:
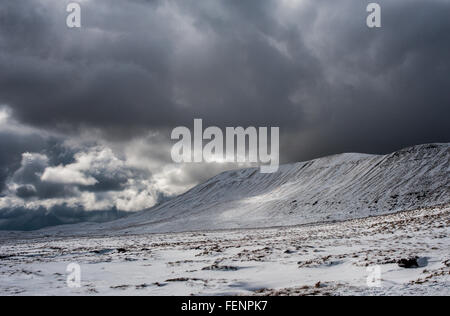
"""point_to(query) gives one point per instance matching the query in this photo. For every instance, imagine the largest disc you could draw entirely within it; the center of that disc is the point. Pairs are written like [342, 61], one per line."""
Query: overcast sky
[86, 114]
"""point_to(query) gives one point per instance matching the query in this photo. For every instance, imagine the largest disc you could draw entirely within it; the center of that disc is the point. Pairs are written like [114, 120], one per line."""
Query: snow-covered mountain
[119, 258]
[332, 188]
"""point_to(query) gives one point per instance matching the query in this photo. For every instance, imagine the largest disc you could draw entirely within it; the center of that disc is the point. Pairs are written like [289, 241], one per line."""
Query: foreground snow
[269, 261]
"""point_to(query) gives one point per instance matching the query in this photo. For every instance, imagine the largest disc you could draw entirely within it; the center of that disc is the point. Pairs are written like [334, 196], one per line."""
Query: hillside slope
[338, 187]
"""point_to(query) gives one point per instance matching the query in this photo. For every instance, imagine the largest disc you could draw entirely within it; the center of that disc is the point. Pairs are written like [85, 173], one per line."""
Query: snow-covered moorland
[345, 224]
[269, 261]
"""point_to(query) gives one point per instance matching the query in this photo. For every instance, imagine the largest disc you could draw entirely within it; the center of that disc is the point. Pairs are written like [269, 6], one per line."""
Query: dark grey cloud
[25, 220]
[139, 65]
[50, 179]
[389, 83]
[12, 147]
[136, 67]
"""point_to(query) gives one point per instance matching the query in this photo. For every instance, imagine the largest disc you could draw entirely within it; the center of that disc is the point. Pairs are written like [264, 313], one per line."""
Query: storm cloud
[86, 113]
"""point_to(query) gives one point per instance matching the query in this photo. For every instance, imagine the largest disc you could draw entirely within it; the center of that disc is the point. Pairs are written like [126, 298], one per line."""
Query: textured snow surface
[325, 220]
[338, 187]
[266, 261]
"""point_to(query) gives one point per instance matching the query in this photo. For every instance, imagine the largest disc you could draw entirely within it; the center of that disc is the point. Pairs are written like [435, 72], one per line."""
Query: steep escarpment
[337, 187]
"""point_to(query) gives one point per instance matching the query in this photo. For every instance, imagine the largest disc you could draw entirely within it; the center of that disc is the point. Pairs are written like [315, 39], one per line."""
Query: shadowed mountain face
[332, 188]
